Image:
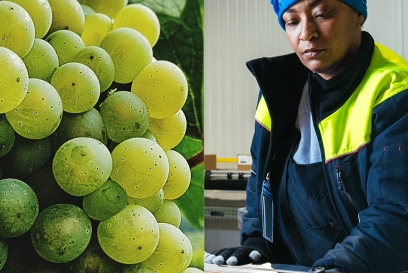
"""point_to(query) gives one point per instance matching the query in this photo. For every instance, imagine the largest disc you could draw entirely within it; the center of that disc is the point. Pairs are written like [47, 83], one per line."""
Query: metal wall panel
[236, 31]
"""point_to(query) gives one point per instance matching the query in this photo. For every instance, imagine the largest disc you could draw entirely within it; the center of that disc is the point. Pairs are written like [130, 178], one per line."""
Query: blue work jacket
[361, 120]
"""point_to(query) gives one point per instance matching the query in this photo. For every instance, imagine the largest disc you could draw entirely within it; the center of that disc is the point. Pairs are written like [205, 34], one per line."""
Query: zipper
[340, 187]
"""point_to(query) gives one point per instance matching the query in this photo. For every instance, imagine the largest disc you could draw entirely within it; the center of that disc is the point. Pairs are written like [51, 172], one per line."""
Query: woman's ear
[360, 19]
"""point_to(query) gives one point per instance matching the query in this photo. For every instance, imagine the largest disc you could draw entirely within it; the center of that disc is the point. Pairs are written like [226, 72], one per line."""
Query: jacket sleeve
[379, 242]
[251, 222]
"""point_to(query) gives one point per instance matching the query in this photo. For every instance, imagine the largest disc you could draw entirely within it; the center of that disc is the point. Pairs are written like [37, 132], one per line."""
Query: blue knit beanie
[280, 6]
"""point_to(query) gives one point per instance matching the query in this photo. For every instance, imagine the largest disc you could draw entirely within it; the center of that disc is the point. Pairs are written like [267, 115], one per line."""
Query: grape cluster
[88, 122]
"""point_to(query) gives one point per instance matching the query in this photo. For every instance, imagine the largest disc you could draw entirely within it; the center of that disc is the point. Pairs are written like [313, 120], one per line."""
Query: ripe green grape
[78, 87]
[149, 135]
[18, 207]
[109, 8]
[152, 203]
[68, 15]
[41, 61]
[87, 10]
[173, 253]
[40, 12]
[169, 131]
[130, 52]
[130, 236]
[140, 166]
[137, 268]
[163, 87]
[125, 116]
[13, 80]
[7, 136]
[85, 124]
[17, 29]
[93, 260]
[61, 233]
[97, 25]
[100, 62]
[47, 189]
[106, 201]
[141, 18]
[26, 157]
[192, 270]
[169, 213]
[81, 165]
[3, 252]
[179, 176]
[66, 44]
[39, 114]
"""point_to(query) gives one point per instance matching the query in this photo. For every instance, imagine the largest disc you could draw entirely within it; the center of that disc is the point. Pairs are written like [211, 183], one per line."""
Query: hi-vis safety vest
[349, 128]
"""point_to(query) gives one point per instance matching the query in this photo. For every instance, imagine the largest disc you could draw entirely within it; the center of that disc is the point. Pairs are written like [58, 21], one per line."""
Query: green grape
[173, 253]
[125, 116]
[87, 10]
[130, 236]
[93, 260]
[137, 268]
[39, 114]
[13, 80]
[169, 213]
[106, 201]
[18, 207]
[86, 124]
[3, 252]
[130, 52]
[67, 15]
[81, 165]
[97, 25]
[40, 12]
[192, 270]
[141, 18]
[140, 166]
[47, 189]
[163, 87]
[17, 29]
[169, 131]
[149, 135]
[7, 136]
[42, 60]
[152, 203]
[61, 233]
[100, 62]
[179, 176]
[78, 87]
[109, 8]
[66, 44]
[26, 157]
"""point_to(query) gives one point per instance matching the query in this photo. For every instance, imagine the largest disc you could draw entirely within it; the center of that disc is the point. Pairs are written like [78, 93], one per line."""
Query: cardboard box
[244, 162]
[210, 162]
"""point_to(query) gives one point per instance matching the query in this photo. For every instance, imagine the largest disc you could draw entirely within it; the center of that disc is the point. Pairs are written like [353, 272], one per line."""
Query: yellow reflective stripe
[262, 114]
[349, 128]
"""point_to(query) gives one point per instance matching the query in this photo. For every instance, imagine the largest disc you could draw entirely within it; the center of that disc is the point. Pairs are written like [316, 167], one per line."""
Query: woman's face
[325, 34]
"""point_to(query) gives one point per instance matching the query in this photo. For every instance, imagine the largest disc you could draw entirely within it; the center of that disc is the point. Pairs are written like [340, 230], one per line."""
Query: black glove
[254, 250]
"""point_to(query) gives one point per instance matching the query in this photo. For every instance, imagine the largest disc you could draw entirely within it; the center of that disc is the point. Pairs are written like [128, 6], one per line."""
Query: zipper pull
[338, 174]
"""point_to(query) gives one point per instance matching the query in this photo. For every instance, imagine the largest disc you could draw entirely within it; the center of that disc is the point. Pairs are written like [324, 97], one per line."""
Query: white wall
[236, 31]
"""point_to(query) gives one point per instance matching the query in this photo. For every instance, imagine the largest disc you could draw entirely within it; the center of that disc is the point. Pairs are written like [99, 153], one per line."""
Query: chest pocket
[314, 219]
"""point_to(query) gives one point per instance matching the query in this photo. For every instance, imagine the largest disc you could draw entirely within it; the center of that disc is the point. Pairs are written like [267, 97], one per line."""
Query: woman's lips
[311, 53]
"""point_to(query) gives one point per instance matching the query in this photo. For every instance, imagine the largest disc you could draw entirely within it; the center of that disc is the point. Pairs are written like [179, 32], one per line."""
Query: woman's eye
[291, 23]
[323, 15]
